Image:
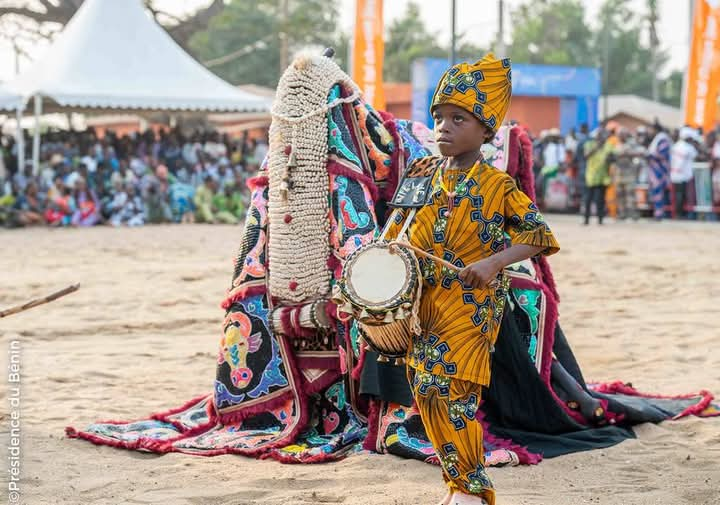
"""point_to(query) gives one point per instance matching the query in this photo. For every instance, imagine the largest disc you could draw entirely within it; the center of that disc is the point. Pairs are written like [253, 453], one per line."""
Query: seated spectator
[156, 197]
[88, 206]
[30, 206]
[204, 212]
[7, 206]
[128, 208]
[60, 210]
[229, 205]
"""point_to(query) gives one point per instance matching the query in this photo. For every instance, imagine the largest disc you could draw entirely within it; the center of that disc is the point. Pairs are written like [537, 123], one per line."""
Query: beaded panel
[299, 185]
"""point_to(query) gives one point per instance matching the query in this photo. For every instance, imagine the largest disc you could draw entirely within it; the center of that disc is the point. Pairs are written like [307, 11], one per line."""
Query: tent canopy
[112, 55]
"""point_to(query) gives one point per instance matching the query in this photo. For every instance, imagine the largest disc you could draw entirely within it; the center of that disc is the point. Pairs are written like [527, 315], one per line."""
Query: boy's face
[457, 131]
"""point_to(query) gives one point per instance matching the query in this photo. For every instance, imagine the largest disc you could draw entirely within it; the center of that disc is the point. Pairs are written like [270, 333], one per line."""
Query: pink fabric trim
[524, 455]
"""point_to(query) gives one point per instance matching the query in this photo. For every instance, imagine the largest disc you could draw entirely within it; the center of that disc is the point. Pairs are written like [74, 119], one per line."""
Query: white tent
[112, 55]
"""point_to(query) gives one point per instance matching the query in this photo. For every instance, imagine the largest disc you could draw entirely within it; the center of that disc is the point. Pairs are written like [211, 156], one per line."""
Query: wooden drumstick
[444, 263]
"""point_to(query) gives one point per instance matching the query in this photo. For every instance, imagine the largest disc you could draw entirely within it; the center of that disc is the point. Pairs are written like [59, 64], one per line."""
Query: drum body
[379, 287]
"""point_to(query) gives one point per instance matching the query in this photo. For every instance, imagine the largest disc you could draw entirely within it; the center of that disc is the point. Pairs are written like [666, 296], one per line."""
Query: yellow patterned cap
[483, 89]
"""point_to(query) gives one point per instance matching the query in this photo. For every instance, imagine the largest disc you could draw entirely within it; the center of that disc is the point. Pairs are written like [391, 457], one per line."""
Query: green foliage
[311, 24]
[407, 39]
[555, 32]
[551, 32]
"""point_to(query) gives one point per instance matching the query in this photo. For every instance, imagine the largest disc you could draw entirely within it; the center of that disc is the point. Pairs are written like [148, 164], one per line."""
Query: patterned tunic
[460, 324]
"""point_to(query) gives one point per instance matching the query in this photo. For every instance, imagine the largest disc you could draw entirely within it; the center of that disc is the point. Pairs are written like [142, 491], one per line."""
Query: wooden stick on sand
[39, 301]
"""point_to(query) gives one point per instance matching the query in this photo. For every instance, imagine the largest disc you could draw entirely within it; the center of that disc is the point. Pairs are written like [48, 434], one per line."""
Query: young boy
[470, 208]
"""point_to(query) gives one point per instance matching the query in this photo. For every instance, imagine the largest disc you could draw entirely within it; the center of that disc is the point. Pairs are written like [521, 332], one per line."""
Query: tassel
[292, 160]
[383, 359]
[399, 361]
[400, 314]
[364, 315]
[389, 317]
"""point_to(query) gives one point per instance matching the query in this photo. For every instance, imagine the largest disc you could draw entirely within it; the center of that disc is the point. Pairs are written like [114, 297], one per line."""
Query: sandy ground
[639, 304]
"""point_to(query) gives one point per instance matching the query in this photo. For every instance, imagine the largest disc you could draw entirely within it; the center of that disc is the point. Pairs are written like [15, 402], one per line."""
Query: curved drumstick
[447, 264]
[444, 263]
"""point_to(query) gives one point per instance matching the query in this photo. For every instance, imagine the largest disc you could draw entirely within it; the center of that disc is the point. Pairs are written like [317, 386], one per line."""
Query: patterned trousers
[448, 408]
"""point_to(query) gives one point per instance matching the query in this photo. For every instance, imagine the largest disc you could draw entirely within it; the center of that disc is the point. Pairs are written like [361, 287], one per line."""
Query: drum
[379, 287]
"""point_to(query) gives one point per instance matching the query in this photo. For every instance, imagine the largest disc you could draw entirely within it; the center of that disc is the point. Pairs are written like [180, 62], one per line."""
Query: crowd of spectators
[155, 177]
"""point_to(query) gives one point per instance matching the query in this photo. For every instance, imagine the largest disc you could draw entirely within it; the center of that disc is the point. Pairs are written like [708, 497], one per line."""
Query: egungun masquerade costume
[286, 383]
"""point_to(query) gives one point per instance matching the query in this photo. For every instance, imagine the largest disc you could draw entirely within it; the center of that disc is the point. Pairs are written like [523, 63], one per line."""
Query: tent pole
[20, 140]
[36, 136]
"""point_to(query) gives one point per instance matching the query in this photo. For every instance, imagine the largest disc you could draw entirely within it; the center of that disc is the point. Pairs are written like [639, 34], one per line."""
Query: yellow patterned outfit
[449, 363]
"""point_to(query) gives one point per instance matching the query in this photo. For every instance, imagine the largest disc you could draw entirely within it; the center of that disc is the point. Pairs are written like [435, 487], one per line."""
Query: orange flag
[368, 51]
[703, 74]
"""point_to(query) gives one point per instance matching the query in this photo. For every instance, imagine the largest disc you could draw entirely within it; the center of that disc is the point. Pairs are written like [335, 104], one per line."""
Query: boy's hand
[479, 274]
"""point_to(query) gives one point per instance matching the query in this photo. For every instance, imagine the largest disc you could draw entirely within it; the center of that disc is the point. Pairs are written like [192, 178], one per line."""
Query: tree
[242, 43]
[551, 32]
[47, 17]
[631, 66]
[671, 88]
[407, 39]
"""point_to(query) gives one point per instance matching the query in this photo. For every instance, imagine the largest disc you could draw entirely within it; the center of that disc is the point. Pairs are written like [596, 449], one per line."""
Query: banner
[703, 74]
[368, 51]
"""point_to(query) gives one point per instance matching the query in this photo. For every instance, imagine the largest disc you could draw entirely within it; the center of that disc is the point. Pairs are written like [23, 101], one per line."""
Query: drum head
[377, 276]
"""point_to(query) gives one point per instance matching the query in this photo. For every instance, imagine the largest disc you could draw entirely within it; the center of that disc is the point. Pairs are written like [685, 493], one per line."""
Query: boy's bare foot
[467, 499]
[446, 499]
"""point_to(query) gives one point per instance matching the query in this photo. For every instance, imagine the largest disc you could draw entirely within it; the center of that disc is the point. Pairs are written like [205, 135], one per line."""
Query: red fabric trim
[622, 388]
[370, 442]
[393, 179]
[258, 182]
[242, 292]
[326, 363]
[324, 381]
[547, 277]
[334, 265]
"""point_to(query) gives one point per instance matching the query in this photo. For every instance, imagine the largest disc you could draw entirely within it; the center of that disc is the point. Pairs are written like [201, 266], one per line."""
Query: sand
[639, 304]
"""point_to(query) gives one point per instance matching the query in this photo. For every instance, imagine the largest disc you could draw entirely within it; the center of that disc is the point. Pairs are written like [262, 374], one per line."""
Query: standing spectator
[682, 156]
[625, 175]
[659, 169]
[597, 178]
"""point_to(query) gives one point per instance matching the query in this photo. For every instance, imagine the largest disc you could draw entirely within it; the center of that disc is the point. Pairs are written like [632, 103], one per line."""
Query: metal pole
[453, 31]
[284, 35]
[36, 136]
[20, 140]
[606, 70]
[502, 52]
